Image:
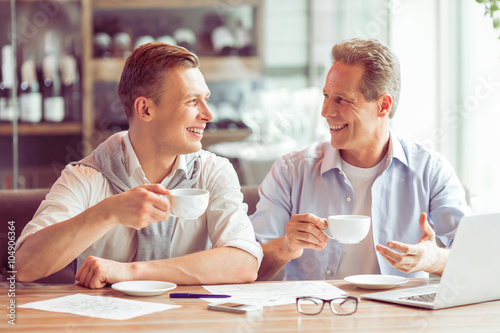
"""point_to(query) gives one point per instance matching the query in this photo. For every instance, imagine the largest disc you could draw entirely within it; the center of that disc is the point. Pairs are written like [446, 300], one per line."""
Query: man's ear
[385, 105]
[142, 108]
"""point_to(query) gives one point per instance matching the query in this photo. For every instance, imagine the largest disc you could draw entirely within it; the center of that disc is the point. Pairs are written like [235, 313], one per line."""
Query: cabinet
[39, 151]
[34, 18]
[214, 68]
[45, 147]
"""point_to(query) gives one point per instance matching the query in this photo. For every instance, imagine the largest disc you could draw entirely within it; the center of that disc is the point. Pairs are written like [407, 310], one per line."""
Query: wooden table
[193, 316]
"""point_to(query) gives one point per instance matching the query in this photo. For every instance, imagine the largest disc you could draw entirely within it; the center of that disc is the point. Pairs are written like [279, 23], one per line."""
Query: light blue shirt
[415, 180]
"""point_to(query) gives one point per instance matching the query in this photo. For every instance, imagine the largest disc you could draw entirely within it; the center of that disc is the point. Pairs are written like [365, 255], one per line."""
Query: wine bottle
[102, 45]
[53, 101]
[243, 40]
[223, 41]
[4, 99]
[163, 31]
[71, 87]
[30, 98]
[6, 84]
[186, 38]
[121, 45]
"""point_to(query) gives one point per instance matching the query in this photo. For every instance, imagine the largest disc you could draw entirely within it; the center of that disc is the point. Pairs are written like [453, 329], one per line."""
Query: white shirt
[225, 223]
[360, 258]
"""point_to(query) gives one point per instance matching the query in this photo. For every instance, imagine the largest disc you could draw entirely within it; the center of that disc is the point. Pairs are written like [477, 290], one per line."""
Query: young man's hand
[97, 272]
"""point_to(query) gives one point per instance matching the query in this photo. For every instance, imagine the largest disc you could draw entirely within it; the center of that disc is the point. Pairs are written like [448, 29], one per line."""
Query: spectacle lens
[344, 306]
[310, 305]
[340, 306]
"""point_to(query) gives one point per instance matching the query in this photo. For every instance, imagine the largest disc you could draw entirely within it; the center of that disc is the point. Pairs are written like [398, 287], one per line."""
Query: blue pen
[188, 295]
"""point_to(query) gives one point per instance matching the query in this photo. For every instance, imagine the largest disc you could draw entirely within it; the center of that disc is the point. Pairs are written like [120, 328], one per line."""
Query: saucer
[143, 288]
[375, 281]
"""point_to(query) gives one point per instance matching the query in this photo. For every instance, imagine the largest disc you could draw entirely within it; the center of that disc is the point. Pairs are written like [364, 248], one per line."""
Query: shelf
[214, 69]
[65, 128]
[221, 5]
[107, 69]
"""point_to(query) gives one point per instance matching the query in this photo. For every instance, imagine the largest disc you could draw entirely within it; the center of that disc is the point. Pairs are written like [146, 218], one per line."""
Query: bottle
[163, 31]
[53, 101]
[30, 98]
[101, 40]
[122, 44]
[71, 86]
[144, 39]
[223, 41]
[6, 84]
[4, 99]
[102, 45]
[243, 39]
[121, 39]
[186, 38]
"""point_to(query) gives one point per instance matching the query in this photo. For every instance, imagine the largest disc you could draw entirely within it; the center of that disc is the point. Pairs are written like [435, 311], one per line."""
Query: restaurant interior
[265, 62]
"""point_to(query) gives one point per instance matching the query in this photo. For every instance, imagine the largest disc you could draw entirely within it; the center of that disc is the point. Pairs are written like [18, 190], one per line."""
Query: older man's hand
[423, 256]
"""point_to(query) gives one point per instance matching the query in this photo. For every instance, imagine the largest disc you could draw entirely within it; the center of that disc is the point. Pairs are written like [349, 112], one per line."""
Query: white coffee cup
[348, 229]
[188, 203]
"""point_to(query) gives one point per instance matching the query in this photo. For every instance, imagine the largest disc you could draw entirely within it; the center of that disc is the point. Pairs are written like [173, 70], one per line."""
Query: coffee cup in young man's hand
[348, 229]
[188, 203]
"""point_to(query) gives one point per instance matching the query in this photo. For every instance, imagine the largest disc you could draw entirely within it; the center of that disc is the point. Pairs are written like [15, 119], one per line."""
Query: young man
[106, 210]
[365, 169]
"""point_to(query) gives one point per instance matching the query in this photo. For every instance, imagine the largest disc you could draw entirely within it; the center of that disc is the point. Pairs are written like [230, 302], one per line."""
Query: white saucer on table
[376, 281]
[143, 288]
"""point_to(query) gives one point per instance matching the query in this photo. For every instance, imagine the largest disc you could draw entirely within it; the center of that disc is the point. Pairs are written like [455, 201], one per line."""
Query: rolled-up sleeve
[447, 201]
[227, 220]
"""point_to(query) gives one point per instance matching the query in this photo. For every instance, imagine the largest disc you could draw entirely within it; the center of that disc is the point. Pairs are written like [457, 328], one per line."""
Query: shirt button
[348, 199]
[341, 173]
[328, 272]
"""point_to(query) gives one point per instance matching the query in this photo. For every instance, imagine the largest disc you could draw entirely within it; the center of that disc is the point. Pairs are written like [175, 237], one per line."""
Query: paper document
[269, 294]
[99, 306]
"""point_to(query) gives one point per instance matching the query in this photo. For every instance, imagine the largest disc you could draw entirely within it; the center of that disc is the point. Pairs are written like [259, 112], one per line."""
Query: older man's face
[354, 123]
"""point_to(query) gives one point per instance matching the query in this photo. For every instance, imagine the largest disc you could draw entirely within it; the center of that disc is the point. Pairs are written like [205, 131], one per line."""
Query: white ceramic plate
[143, 288]
[375, 281]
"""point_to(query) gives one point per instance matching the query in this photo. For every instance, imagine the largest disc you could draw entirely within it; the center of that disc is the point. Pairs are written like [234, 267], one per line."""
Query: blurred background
[265, 62]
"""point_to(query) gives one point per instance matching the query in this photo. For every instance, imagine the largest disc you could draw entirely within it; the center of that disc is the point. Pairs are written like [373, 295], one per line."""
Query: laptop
[471, 275]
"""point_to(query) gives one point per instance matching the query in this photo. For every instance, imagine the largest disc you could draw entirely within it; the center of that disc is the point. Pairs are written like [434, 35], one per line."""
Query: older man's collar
[331, 159]
[396, 150]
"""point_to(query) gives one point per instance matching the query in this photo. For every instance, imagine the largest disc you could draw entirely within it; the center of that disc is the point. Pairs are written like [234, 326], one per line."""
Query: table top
[193, 316]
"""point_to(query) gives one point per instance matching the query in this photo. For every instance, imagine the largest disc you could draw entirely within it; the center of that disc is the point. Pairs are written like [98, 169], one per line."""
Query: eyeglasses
[341, 306]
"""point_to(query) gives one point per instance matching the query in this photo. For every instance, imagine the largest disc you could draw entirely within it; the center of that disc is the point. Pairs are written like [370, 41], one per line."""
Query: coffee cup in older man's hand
[348, 229]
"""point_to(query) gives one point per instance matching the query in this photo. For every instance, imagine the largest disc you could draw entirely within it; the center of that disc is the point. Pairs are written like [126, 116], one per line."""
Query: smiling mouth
[196, 130]
[337, 127]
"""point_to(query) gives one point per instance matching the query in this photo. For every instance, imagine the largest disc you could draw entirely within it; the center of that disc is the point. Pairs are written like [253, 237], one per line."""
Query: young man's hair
[145, 71]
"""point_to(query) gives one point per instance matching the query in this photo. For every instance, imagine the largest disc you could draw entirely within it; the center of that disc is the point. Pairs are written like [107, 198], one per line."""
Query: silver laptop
[471, 275]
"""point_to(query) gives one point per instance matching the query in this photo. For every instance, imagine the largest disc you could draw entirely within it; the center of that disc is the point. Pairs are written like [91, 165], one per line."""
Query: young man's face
[354, 122]
[181, 115]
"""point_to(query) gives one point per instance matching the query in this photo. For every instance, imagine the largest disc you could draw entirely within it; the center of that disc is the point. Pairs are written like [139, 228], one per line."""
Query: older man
[365, 169]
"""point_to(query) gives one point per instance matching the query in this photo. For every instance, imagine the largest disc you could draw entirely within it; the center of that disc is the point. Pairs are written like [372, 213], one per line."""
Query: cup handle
[327, 235]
